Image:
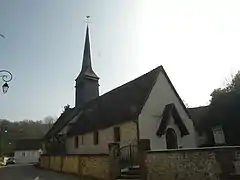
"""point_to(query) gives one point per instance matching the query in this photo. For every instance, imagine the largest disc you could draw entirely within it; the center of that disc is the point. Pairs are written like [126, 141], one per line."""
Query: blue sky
[197, 43]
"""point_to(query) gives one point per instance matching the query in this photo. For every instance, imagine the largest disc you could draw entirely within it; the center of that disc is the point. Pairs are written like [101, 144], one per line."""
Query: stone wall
[70, 164]
[45, 162]
[55, 163]
[83, 165]
[94, 166]
[188, 164]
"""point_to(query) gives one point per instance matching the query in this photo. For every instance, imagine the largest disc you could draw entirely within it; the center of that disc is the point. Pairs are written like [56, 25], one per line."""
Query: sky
[197, 42]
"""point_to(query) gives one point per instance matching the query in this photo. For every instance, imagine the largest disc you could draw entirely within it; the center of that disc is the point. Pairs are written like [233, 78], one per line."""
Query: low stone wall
[83, 165]
[98, 166]
[45, 162]
[188, 164]
[70, 164]
[55, 163]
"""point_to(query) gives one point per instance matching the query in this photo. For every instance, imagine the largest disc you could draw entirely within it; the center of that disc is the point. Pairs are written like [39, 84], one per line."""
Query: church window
[95, 137]
[117, 134]
[171, 139]
[82, 139]
[76, 141]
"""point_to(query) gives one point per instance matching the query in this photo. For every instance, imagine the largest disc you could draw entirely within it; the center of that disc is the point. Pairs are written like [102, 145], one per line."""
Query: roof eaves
[57, 125]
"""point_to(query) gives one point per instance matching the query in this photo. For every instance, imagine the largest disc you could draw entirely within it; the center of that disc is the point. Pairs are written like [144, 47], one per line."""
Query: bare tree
[49, 120]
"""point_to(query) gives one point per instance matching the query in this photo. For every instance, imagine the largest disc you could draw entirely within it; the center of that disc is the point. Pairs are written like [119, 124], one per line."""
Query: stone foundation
[83, 165]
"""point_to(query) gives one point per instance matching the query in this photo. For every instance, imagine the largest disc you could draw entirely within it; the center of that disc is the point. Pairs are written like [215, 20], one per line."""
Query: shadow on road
[29, 172]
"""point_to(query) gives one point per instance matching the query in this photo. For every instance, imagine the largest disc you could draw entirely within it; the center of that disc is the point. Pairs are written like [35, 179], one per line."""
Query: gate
[127, 156]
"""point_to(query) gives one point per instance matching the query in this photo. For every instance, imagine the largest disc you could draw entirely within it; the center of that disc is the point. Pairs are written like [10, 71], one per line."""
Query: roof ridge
[159, 68]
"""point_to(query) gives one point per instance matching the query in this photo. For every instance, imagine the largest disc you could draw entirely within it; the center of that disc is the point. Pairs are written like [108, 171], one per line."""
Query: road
[28, 172]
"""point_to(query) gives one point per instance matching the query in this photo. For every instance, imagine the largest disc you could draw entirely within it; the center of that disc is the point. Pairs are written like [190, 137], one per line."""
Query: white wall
[87, 147]
[128, 134]
[31, 156]
[150, 117]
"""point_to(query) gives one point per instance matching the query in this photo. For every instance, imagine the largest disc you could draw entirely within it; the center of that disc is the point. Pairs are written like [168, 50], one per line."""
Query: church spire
[86, 63]
[87, 86]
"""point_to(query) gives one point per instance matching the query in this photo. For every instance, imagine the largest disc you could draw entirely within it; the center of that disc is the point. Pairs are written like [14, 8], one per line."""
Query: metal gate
[127, 156]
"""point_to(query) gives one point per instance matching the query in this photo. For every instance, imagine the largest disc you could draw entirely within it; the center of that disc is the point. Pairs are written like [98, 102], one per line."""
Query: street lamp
[6, 77]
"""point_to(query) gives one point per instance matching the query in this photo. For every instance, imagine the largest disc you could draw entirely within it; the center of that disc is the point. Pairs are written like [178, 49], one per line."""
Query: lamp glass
[5, 87]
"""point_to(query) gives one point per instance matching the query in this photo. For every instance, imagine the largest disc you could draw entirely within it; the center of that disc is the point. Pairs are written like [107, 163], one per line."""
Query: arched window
[171, 139]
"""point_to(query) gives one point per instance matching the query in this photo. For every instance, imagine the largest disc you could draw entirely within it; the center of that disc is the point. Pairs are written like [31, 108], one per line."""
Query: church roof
[198, 114]
[28, 144]
[61, 122]
[119, 105]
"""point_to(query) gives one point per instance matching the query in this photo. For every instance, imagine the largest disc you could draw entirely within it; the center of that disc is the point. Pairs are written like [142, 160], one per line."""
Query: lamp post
[6, 77]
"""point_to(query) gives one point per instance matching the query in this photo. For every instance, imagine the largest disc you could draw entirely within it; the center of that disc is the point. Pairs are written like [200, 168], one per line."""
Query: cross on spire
[88, 20]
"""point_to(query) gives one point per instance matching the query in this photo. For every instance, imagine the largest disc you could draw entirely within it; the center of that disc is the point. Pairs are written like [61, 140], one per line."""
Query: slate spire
[87, 87]
[86, 63]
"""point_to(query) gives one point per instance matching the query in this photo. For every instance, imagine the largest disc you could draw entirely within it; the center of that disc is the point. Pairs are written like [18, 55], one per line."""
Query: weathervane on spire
[88, 18]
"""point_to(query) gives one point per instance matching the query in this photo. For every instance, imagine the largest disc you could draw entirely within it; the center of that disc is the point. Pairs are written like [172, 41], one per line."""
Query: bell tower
[87, 86]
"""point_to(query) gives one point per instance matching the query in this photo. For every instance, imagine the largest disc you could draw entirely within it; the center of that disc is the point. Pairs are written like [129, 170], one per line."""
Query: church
[147, 108]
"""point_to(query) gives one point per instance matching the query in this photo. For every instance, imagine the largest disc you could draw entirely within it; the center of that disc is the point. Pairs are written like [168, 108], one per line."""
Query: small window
[218, 134]
[117, 134]
[76, 142]
[171, 139]
[81, 139]
[95, 137]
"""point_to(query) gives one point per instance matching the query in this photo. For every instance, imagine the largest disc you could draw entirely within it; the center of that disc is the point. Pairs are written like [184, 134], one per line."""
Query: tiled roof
[27, 144]
[61, 122]
[117, 106]
[198, 115]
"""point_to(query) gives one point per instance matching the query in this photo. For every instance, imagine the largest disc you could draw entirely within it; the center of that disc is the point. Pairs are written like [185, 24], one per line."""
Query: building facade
[27, 156]
[146, 108]
[27, 151]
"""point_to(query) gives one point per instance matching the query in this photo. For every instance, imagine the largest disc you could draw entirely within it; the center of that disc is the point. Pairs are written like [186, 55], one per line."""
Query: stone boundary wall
[83, 165]
[198, 164]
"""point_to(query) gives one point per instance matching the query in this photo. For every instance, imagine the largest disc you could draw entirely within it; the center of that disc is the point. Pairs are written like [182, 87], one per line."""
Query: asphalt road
[28, 172]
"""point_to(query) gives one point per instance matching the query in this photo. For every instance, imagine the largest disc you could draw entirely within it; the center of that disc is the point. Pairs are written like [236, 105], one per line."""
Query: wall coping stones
[84, 155]
[217, 148]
